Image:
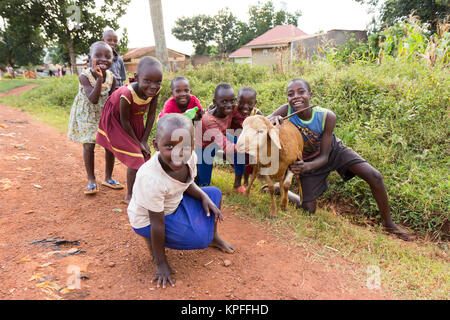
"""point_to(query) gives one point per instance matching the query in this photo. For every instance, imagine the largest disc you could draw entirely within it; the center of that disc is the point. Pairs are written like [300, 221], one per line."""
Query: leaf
[117, 210]
[37, 186]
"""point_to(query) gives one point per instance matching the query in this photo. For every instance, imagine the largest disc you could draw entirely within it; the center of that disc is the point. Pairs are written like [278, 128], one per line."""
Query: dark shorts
[314, 183]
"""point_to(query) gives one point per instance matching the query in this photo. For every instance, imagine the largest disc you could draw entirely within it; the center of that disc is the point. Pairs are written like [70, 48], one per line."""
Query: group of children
[170, 201]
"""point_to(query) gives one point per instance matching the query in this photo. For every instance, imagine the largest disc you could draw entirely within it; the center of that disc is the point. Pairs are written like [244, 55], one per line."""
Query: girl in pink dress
[121, 129]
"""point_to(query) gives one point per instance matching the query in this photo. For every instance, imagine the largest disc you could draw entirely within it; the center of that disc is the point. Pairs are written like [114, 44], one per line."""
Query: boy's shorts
[314, 183]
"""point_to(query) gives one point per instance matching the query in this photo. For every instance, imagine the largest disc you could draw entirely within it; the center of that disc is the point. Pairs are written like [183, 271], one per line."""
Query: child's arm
[300, 166]
[125, 109]
[149, 123]
[158, 240]
[195, 192]
[277, 115]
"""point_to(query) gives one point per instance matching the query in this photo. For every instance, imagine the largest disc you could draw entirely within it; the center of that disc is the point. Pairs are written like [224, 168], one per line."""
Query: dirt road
[42, 179]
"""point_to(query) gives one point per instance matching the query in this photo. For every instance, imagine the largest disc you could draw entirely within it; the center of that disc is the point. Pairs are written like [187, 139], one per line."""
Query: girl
[213, 135]
[167, 208]
[182, 99]
[96, 84]
[121, 129]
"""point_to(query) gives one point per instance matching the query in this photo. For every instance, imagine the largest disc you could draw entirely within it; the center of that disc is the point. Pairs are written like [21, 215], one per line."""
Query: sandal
[401, 233]
[91, 189]
[113, 184]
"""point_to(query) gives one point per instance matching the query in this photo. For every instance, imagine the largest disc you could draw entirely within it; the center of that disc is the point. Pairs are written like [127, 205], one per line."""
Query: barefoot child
[324, 152]
[167, 208]
[182, 99]
[117, 66]
[96, 84]
[122, 129]
[212, 135]
[246, 102]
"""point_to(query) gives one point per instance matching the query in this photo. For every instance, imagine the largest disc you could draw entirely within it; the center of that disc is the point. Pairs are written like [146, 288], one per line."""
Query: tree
[158, 32]
[20, 41]
[199, 29]
[76, 24]
[227, 31]
[122, 46]
[391, 11]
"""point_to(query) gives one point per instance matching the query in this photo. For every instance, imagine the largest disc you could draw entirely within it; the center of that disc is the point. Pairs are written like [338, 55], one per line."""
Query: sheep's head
[257, 131]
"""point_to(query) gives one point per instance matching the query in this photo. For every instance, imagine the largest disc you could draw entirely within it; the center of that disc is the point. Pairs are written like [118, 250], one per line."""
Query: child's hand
[145, 149]
[97, 71]
[209, 206]
[163, 275]
[277, 120]
[299, 167]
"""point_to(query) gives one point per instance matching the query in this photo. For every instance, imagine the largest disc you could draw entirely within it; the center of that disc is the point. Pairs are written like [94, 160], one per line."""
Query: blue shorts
[188, 228]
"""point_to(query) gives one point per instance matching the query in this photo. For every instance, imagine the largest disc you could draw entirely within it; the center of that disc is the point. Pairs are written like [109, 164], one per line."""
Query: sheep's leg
[284, 189]
[271, 187]
[252, 179]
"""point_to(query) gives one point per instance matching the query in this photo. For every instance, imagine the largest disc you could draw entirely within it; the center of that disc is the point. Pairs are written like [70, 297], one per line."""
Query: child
[182, 99]
[96, 84]
[121, 129]
[117, 67]
[245, 108]
[323, 153]
[167, 208]
[214, 124]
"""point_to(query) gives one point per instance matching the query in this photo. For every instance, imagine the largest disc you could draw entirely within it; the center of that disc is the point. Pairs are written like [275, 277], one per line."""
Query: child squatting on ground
[182, 99]
[211, 135]
[96, 84]
[323, 152]
[121, 129]
[167, 208]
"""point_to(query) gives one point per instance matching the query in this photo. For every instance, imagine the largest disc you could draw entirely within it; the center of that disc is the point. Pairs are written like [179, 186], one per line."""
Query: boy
[117, 67]
[323, 153]
[167, 208]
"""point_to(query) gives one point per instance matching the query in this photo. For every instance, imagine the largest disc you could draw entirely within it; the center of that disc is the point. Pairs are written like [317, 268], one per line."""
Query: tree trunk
[73, 59]
[158, 32]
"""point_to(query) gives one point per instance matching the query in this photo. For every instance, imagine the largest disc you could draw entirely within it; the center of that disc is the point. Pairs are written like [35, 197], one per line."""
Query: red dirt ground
[43, 198]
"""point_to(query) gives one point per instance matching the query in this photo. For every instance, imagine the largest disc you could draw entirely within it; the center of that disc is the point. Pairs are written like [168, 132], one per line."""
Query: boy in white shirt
[167, 208]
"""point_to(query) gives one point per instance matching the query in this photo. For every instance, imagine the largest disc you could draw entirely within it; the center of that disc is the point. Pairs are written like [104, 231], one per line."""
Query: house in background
[131, 58]
[242, 55]
[283, 44]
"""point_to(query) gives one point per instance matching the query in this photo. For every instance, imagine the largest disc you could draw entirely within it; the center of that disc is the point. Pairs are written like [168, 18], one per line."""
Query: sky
[317, 15]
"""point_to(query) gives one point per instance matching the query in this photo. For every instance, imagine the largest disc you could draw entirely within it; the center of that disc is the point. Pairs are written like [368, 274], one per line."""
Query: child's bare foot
[221, 244]
[399, 232]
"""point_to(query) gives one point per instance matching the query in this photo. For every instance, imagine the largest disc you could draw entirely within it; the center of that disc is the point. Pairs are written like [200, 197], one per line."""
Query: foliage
[122, 46]
[20, 41]
[392, 11]
[227, 31]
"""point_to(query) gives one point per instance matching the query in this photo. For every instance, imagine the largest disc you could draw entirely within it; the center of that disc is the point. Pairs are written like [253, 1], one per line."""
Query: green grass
[8, 84]
[410, 270]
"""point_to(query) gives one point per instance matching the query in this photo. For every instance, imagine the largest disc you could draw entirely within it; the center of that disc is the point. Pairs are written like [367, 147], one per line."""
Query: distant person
[59, 72]
[117, 67]
[96, 84]
[50, 73]
[122, 129]
[167, 208]
[323, 152]
[182, 99]
[63, 71]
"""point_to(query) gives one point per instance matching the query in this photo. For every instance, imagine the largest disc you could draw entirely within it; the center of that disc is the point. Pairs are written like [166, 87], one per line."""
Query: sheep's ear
[274, 136]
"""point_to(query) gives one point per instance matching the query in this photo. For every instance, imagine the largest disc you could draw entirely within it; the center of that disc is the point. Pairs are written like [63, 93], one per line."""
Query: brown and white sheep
[274, 148]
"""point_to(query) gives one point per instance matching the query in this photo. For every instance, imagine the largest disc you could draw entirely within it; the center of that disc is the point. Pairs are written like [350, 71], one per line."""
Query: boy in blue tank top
[323, 152]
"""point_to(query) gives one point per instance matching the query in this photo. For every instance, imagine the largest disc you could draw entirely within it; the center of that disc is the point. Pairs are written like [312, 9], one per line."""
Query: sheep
[258, 138]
